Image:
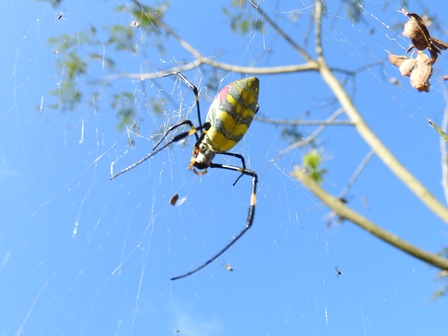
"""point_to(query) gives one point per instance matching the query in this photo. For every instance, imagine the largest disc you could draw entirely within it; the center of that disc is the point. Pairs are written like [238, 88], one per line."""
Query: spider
[227, 121]
[338, 271]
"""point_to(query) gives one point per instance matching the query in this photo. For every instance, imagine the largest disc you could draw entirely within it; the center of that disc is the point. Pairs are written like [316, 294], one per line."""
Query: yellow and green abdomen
[231, 113]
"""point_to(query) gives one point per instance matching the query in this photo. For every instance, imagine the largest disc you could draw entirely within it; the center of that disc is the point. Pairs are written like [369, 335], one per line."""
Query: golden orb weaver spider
[228, 119]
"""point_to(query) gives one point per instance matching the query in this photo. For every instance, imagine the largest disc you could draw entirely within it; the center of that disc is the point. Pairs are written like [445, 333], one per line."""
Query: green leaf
[438, 129]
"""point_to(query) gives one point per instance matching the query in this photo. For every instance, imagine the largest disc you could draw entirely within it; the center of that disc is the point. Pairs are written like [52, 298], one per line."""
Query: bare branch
[382, 151]
[345, 212]
[389, 160]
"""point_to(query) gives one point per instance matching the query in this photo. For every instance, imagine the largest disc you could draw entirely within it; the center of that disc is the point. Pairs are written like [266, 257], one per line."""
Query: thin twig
[304, 122]
[356, 174]
[318, 28]
[442, 142]
[312, 136]
[283, 34]
[223, 66]
[350, 184]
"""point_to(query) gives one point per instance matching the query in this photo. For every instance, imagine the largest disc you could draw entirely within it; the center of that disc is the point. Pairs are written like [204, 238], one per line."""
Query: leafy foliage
[77, 55]
[239, 21]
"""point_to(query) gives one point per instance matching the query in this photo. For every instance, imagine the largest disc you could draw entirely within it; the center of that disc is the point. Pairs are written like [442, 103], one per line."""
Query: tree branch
[224, 66]
[386, 156]
[345, 212]
[328, 122]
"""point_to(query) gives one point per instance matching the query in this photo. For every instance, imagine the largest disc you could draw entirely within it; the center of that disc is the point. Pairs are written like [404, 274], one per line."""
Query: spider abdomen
[231, 114]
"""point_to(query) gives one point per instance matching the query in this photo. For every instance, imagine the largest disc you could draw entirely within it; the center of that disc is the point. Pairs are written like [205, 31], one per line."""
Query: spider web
[82, 255]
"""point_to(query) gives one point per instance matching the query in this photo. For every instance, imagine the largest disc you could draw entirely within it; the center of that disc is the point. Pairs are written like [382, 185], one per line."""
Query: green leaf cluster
[312, 163]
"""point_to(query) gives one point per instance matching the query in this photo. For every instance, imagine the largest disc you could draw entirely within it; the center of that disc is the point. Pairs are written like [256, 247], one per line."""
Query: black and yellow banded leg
[176, 138]
[243, 163]
[249, 221]
[192, 87]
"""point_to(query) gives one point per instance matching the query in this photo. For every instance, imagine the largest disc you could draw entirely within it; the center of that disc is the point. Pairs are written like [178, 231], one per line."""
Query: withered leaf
[421, 73]
[439, 44]
[397, 59]
[419, 35]
[407, 67]
[404, 63]
[419, 69]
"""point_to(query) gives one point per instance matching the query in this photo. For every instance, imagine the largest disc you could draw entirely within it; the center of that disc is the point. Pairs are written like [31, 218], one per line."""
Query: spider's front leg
[188, 122]
[176, 138]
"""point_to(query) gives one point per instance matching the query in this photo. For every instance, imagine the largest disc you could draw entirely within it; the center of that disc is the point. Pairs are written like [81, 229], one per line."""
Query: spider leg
[243, 163]
[194, 88]
[176, 138]
[173, 128]
[249, 221]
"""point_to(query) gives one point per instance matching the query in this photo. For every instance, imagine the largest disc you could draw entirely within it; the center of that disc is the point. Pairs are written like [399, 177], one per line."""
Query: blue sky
[81, 255]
